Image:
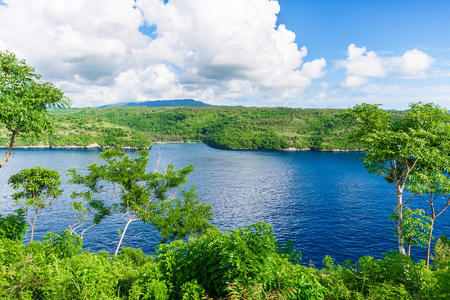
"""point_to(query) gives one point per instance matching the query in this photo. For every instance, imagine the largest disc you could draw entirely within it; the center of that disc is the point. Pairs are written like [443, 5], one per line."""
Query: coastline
[321, 150]
[97, 146]
[91, 146]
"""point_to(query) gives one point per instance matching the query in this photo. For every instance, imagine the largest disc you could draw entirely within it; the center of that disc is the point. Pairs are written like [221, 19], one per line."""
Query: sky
[292, 53]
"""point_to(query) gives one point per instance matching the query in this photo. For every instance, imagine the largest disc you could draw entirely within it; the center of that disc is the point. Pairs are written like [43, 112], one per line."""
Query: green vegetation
[141, 195]
[24, 101]
[37, 189]
[411, 153]
[410, 150]
[222, 127]
[245, 263]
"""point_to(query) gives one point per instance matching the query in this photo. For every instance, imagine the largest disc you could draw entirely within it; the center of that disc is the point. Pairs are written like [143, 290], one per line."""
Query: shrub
[13, 226]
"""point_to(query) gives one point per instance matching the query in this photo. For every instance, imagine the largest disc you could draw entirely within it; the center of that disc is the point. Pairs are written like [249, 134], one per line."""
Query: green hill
[160, 103]
[222, 127]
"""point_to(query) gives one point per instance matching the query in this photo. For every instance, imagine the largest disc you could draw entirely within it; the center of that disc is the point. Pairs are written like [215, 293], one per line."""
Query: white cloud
[221, 49]
[314, 69]
[362, 65]
[354, 81]
[92, 39]
[415, 61]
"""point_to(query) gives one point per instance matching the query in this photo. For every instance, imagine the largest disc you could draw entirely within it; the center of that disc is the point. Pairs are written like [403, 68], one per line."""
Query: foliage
[432, 181]
[224, 127]
[397, 148]
[416, 226]
[37, 189]
[62, 246]
[395, 276]
[24, 100]
[13, 226]
[141, 195]
[442, 253]
[235, 262]
[178, 218]
[242, 264]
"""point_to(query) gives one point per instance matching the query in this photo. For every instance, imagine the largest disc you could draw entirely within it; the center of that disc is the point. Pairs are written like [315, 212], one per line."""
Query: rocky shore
[97, 146]
[322, 150]
[91, 146]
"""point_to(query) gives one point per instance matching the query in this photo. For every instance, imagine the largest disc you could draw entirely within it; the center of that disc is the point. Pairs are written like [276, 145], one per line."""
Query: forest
[195, 260]
[221, 127]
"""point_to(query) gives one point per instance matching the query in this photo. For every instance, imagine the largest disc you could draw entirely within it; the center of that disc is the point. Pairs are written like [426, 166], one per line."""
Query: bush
[244, 261]
[13, 226]
[441, 255]
[62, 246]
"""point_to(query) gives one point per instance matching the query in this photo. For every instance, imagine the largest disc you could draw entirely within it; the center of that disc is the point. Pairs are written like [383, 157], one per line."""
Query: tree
[431, 181]
[395, 147]
[141, 195]
[38, 188]
[24, 100]
[430, 185]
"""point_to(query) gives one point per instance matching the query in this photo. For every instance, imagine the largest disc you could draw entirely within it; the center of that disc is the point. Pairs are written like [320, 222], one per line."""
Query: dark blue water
[325, 202]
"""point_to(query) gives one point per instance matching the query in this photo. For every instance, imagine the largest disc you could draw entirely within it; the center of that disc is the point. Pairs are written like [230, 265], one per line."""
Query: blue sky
[393, 25]
[312, 53]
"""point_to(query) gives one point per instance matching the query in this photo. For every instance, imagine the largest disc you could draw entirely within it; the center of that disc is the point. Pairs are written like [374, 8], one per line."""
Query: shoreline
[92, 146]
[97, 146]
[293, 149]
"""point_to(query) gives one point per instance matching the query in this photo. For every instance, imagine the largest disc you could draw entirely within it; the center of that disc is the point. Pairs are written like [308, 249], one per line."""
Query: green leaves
[24, 100]
[36, 185]
[141, 195]
[37, 188]
[13, 226]
[411, 152]
[416, 226]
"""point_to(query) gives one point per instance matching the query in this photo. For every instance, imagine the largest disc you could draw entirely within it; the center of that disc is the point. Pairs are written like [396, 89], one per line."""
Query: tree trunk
[11, 144]
[409, 249]
[401, 246]
[123, 233]
[32, 227]
[430, 235]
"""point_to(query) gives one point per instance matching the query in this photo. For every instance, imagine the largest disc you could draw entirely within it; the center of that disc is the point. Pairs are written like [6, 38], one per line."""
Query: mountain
[160, 103]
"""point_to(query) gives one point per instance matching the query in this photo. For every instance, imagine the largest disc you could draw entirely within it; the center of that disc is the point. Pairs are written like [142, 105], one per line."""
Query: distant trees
[405, 150]
[141, 195]
[223, 127]
[24, 100]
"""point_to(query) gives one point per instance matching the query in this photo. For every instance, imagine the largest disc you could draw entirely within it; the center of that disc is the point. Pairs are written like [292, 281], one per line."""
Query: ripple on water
[325, 202]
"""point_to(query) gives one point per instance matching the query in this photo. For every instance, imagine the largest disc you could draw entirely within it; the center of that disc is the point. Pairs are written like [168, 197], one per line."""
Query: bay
[324, 201]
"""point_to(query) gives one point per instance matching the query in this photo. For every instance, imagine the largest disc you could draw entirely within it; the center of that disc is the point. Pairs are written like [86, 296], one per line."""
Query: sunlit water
[325, 202]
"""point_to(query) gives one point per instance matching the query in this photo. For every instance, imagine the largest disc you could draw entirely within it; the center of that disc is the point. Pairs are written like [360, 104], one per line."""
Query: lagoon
[324, 201]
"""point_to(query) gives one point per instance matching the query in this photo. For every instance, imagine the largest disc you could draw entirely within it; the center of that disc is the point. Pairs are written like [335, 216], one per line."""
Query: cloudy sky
[302, 53]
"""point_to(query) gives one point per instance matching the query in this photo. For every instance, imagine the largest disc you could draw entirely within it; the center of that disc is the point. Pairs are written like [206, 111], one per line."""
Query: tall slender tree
[395, 148]
[433, 187]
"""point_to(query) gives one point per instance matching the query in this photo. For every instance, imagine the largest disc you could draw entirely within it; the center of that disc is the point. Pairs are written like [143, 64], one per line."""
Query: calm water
[325, 202]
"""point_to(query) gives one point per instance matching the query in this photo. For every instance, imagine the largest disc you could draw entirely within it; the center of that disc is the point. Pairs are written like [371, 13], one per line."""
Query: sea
[325, 202]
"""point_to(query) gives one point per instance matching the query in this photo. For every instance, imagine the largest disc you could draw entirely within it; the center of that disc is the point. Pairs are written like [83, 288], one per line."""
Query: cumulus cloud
[221, 49]
[415, 61]
[362, 65]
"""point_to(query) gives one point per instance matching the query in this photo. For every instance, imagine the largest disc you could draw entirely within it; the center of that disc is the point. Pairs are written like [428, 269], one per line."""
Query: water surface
[325, 202]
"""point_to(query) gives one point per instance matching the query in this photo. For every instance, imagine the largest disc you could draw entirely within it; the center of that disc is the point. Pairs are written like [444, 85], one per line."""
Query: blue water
[325, 202]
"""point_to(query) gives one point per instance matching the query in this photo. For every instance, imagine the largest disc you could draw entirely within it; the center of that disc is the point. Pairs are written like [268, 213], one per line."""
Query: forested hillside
[223, 127]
